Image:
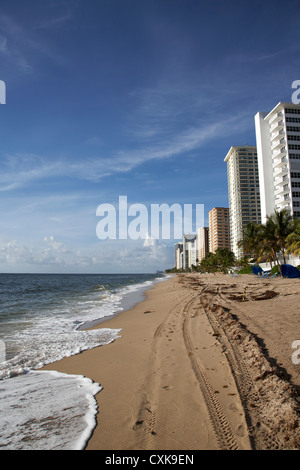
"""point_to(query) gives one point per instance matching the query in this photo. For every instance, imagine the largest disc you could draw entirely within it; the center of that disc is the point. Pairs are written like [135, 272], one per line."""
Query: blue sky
[141, 98]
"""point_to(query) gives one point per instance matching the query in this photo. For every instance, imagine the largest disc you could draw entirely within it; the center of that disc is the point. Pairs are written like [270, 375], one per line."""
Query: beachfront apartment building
[179, 255]
[243, 193]
[189, 248]
[219, 230]
[202, 243]
[278, 150]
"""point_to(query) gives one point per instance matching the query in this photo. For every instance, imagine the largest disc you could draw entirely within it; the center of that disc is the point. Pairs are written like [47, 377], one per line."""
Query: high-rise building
[189, 246]
[202, 242]
[219, 232]
[178, 255]
[243, 193]
[278, 150]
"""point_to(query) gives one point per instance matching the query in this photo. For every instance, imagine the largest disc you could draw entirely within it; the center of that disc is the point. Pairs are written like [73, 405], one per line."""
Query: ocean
[43, 319]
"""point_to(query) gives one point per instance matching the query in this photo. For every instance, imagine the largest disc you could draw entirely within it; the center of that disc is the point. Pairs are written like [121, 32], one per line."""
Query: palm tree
[282, 226]
[293, 239]
[221, 260]
[269, 245]
[224, 259]
[252, 238]
[207, 264]
[274, 235]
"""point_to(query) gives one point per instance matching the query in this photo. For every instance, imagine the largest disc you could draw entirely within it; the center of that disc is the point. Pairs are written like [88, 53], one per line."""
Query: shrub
[246, 270]
[275, 270]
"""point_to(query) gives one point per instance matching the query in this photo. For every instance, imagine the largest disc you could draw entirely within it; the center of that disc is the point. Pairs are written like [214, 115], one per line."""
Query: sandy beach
[203, 363]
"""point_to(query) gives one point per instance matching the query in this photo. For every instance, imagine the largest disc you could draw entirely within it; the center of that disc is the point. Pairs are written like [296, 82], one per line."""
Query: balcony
[282, 202]
[276, 118]
[276, 135]
[279, 153]
[281, 189]
[280, 172]
[281, 180]
[280, 162]
[277, 126]
[277, 144]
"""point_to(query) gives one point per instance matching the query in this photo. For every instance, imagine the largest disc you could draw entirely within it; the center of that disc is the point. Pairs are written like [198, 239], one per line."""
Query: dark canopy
[257, 270]
[287, 270]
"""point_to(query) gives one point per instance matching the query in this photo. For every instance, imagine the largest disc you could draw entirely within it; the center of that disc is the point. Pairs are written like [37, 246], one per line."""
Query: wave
[34, 414]
[33, 411]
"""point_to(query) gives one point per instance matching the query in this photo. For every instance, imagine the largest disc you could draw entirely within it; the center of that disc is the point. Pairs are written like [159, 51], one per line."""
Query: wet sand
[203, 363]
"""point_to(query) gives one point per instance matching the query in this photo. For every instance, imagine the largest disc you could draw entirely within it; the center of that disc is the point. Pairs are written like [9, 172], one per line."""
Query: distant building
[243, 193]
[189, 243]
[179, 255]
[278, 150]
[202, 243]
[219, 232]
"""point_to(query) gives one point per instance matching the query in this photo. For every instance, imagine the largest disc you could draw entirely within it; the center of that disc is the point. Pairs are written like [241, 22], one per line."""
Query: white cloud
[18, 170]
[51, 255]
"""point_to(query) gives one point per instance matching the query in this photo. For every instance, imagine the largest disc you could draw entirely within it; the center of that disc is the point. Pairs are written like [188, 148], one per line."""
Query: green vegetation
[220, 261]
[272, 241]
[246, 270]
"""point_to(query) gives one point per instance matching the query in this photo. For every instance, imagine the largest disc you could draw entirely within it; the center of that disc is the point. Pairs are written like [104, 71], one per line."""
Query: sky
[127, 98]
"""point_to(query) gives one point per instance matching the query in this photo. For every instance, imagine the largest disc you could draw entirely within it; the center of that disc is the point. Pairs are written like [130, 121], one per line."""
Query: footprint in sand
[137, 425]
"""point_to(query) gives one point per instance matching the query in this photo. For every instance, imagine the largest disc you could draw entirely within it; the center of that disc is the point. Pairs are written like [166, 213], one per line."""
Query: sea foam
[44, 410]
[47, 410]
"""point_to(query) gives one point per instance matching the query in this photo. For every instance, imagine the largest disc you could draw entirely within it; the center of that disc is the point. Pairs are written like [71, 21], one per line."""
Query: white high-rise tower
[278, 151]
[243, 193]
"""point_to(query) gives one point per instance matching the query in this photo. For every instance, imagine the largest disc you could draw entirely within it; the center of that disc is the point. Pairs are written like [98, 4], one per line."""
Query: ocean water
[43, 319]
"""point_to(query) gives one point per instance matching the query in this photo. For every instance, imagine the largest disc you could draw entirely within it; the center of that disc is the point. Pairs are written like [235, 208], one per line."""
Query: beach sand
[203, 363]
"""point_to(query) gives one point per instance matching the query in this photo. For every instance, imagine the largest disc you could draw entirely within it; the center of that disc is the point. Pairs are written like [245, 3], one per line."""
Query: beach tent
[257, 270]
[287, 270]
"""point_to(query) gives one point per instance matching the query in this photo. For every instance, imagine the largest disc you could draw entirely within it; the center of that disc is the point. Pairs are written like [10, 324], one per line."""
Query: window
[292, 119]
[292, 111]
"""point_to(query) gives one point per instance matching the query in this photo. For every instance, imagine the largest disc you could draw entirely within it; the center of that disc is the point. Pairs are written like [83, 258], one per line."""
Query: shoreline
[172, 380]
[129, 300]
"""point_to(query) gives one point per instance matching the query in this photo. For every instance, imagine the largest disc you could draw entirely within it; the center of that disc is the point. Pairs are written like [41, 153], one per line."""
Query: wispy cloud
[23, 49]
[55, 22]
[267, 55]
[19, 170]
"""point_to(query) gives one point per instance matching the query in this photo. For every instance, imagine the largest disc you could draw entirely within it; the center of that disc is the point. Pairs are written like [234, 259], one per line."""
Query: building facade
[278, 149]
[179, 255]
[189, 248]
[243, 193]
[202, 242]
[219, 231]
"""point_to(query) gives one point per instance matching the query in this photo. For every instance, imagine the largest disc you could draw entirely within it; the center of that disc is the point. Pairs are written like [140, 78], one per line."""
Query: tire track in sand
[179, 318]
[261, 435]
[218, 418]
